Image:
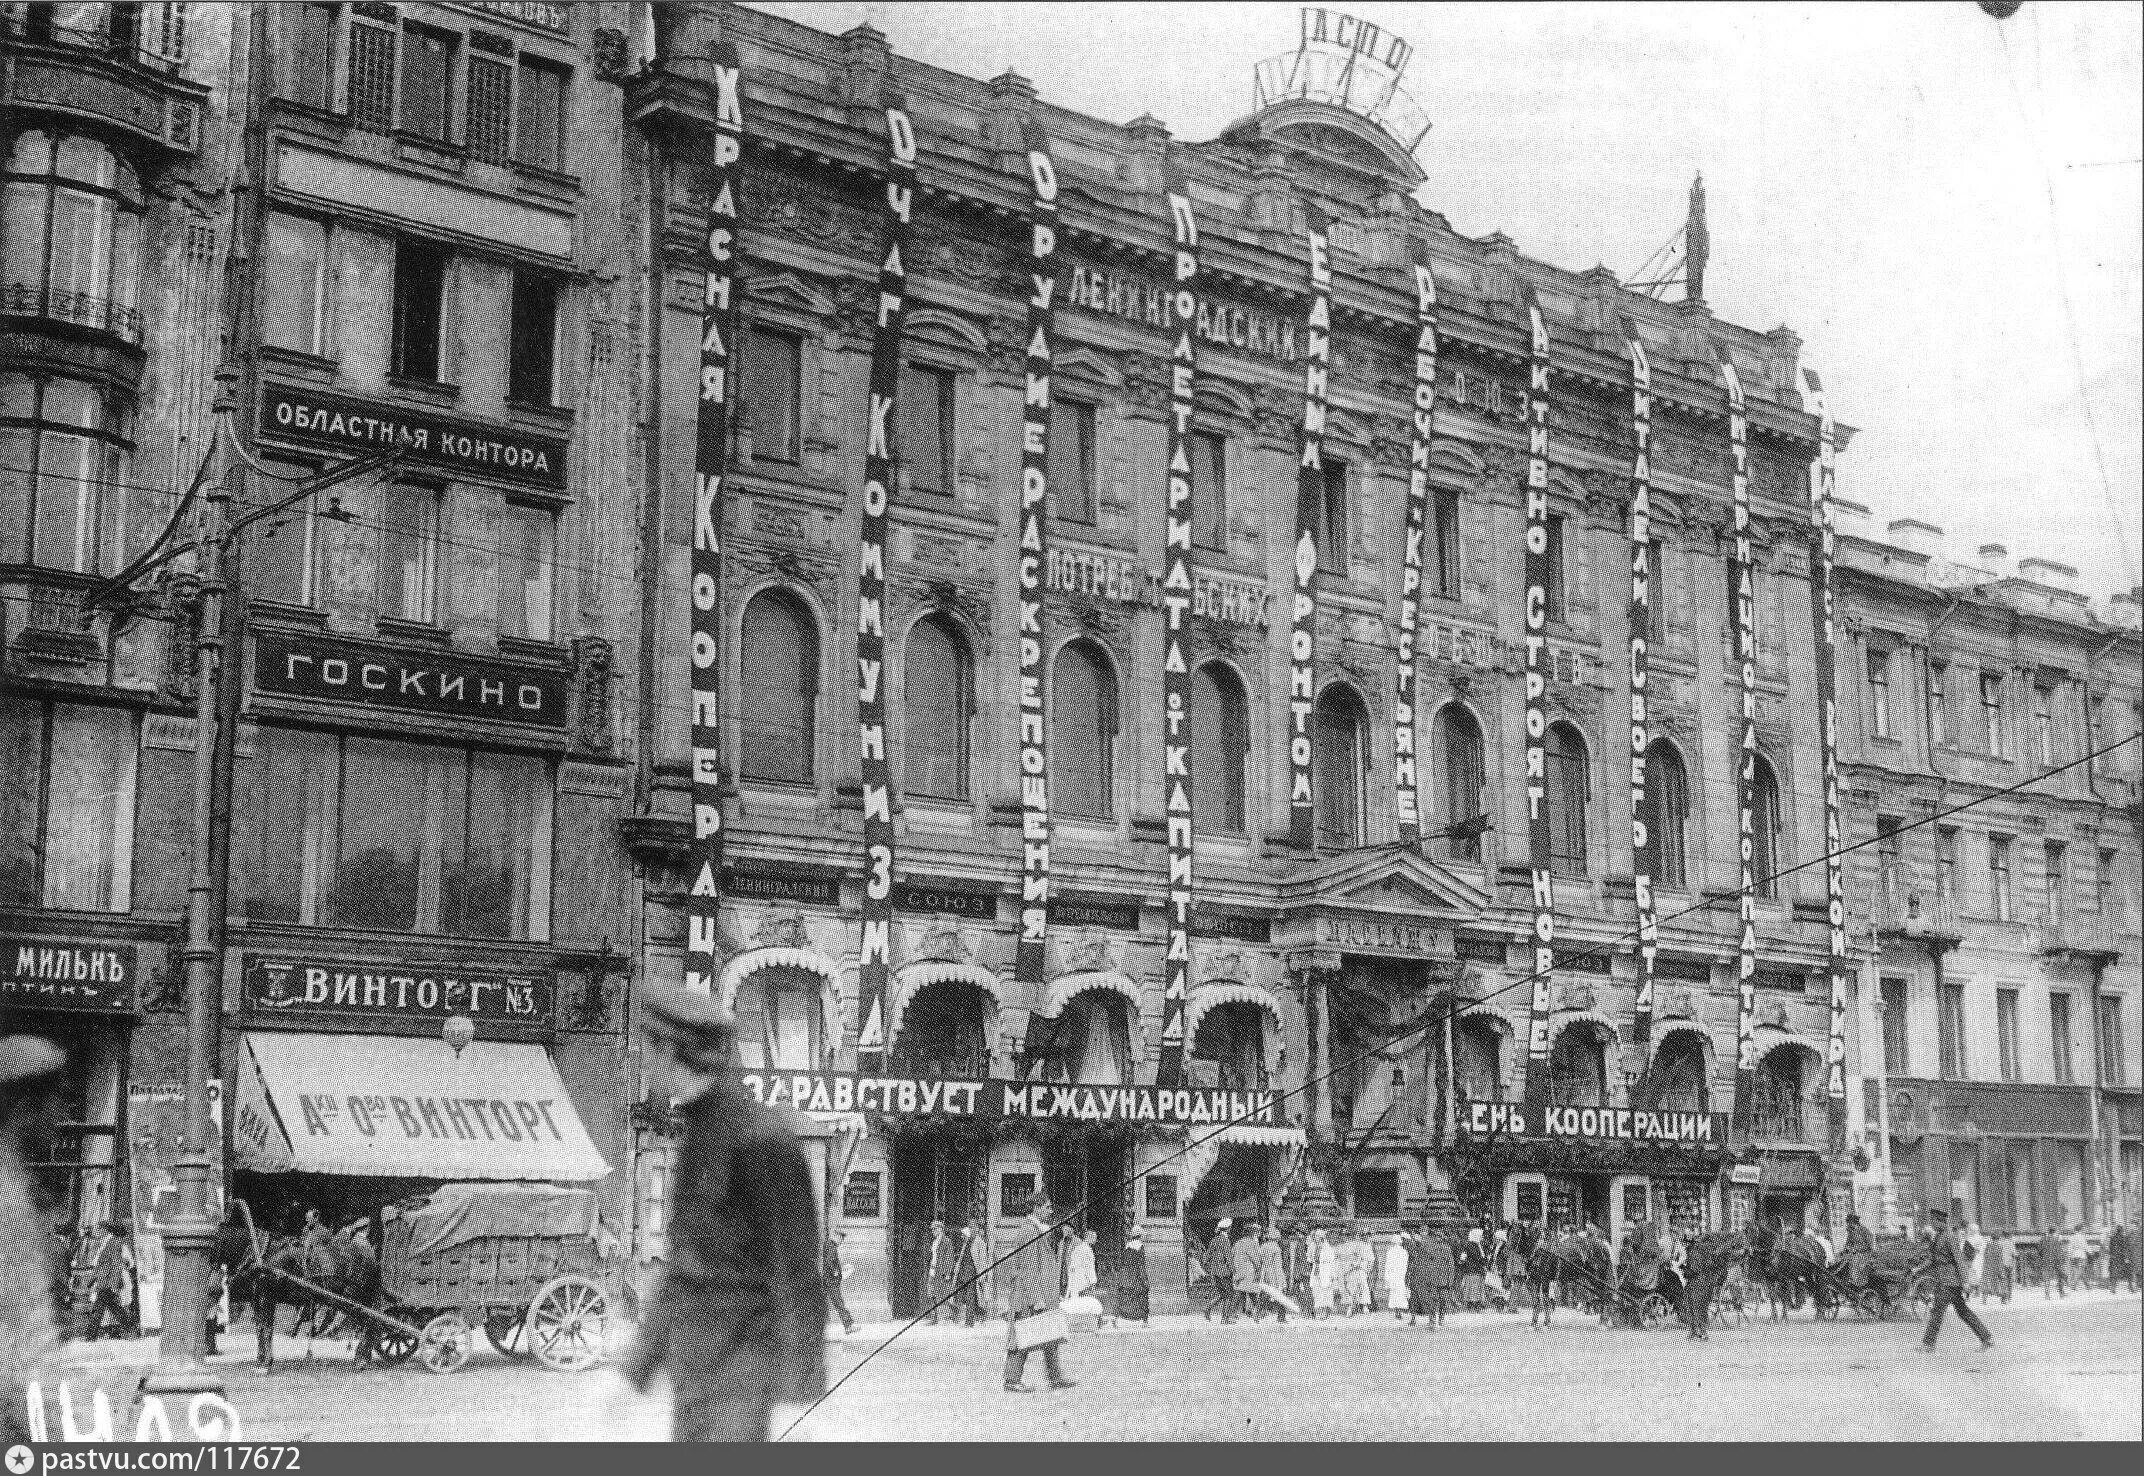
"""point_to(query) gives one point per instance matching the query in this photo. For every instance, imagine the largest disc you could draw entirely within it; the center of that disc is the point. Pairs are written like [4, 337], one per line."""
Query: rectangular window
[2043, 724]
[1950, 1028]
[406, 837]
[427, 81]
[2058, 881]
[1447, 580]
[306, 71]
[297, 283]
[2103, 898]
[1946, 865]
[490, 132]
[1330, 520]
[1896, 1061]
[1890, 873]
[1879, 694]
[2059, 1040]
[541, 139]
[1556, 581]
[2006, 1052]
[1209, 490]
[1939, 703]
[1999, 877]
[923, 439]
[771, 393]
[419, 309]
[409, 537]
[2113, 1048]
[67, 806]
[1991, 714]
[532, 366]
[527, 539]
[279, 551]
[1071, 463]
[372, 76]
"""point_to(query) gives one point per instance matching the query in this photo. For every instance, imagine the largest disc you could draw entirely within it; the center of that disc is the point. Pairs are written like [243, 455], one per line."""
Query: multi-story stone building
[1307, 959]
[1998, 1030]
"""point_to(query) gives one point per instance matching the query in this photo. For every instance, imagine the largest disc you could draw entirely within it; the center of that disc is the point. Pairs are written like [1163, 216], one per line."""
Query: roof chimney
[2049, 573]
[1995, 558]
[1915, 536]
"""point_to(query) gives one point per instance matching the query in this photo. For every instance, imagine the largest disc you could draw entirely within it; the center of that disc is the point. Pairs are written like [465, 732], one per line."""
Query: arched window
[1578, 1067]
[944, 1032]
[1458, 755]
[1666, 813]
[1221, 747]
[1777, 1109]
[1233, 1037]
[1679, 1083]
[781, 1023]
[1570, 789]
[1479, 1047]
[1764, 823]
[938, 704]
[779, 693]
[1083, 733]
[1339, 763]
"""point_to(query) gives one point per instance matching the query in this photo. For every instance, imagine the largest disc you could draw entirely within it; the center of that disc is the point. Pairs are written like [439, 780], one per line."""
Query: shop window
[297, 284]
[70, 234]
[532, 363]
[540, 135]
[1528, 1202]
[1570, 791]
[1161, 1200]
[862, 1197]
[1578, 1067]
[528, 537]
[305, 62]
[1221, 738]
[1764, 823]
[409, 551]
[1071, 461]
[1209, 490]
[1083, 732]
[771, 392]
[781, 1020]
[1014, 1191]
[923, 431]
[1458, 751]
[67, 806]
[1666, 812]
[1376, 1193]
[938, 710]
[1339, 766]
[404, 837]
[419, 309]
[427, 81]
[66, 456]
[780, 671]
[1446, 579]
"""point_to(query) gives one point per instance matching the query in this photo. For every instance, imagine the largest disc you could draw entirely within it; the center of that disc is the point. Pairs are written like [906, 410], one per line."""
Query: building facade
[1998, 1013]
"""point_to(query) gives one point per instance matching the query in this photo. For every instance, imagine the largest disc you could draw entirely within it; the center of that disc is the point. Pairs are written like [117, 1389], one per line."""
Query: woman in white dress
[1081, 1278]
[1324, 1273]
[1396, 1276]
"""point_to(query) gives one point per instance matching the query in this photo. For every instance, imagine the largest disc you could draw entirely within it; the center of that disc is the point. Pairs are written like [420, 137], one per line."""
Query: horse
[1575, 1260]
[1796, 1265]
[1707, 1261]
[334, 1263]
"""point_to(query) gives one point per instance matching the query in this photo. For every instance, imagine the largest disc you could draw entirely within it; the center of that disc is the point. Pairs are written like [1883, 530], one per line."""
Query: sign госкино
[339, 670]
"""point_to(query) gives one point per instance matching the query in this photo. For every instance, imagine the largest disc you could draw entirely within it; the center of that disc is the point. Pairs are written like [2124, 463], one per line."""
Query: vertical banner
[1309, 495]
[1644, 856]
[1824, 610]
[718, 320]
[1742, 595]
[1536, 736]
[1030, 953]
[1406, 763]
[1176, 611]
[877, 953]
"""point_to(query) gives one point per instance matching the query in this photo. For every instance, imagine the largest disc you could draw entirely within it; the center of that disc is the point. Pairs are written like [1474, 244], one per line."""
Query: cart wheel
[504, 1331]
[446, 1343]
[569, 1324]
[1730, 1312]
[392, 1346]
[1653, 1310]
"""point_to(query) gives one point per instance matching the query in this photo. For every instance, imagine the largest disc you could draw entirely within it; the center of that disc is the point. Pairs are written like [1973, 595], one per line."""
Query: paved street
[2059, 1371]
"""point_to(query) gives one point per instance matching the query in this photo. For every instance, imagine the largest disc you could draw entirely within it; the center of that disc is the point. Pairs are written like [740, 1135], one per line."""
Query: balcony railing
[25, 24]
[21, 300]
[1908, 913]
[2087, 934]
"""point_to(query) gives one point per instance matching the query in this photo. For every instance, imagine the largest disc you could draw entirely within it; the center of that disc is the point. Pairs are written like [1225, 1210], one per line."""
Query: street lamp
[457, 1031]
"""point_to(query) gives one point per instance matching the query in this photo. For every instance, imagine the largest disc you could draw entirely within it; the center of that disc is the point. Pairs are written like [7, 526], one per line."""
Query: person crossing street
[1031, 1284]
[1953, 1262]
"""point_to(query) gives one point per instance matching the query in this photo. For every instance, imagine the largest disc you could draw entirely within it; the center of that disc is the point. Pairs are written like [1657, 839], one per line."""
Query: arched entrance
[1235, 1043]
[942, 1030]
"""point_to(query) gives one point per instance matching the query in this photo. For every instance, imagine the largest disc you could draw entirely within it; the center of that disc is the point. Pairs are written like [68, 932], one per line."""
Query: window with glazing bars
[491, 110]
[372, 77]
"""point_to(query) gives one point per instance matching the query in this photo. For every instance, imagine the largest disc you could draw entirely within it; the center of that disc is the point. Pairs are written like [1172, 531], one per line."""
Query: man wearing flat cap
[739, 1319]
[1951, 1257]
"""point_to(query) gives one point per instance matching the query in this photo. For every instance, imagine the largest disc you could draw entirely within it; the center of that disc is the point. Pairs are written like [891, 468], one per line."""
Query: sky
[1947, 208]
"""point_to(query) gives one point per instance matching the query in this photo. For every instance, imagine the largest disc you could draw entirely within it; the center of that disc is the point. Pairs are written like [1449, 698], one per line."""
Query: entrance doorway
[1237, 1188]
[1088, 1179]
[1788, 1208]
[935, 1177]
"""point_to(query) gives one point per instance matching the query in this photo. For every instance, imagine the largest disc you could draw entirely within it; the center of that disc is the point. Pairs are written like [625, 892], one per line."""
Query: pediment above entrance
[1387, 880]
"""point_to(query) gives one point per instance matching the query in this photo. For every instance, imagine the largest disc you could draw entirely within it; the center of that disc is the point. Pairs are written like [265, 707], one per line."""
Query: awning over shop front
[406, 1108]
[1263, 1137]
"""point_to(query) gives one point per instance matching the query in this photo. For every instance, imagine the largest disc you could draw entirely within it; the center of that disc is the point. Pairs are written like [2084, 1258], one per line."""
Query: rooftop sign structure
[1350, 64]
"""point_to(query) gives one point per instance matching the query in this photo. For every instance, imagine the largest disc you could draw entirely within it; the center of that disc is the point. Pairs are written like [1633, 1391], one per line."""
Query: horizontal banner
[909, 1096]
[1598, 1124]
[332, 669]
[279, 984]
[43, 973]
[489, 451]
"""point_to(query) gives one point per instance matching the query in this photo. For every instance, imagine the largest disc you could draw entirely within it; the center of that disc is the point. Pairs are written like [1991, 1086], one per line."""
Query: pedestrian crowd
[1322, 1272]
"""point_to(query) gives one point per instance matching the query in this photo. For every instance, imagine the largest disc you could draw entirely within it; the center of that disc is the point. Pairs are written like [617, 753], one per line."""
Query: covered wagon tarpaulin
[456, 1214]
[406, 1108]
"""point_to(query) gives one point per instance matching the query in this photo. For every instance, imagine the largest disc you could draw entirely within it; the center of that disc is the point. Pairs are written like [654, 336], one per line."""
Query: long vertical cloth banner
[1030, 952]
[1824, 610]
[1309, 493]
[1536, 569]
[1176, 723]
[1643, 844]
[718, 335]
[1406, 763]
[876, 957]
[1742, 597]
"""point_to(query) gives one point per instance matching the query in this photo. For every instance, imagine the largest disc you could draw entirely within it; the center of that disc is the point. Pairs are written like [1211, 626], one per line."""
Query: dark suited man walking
[1030, 1282]
[1951, 1260]
[739, 1320]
